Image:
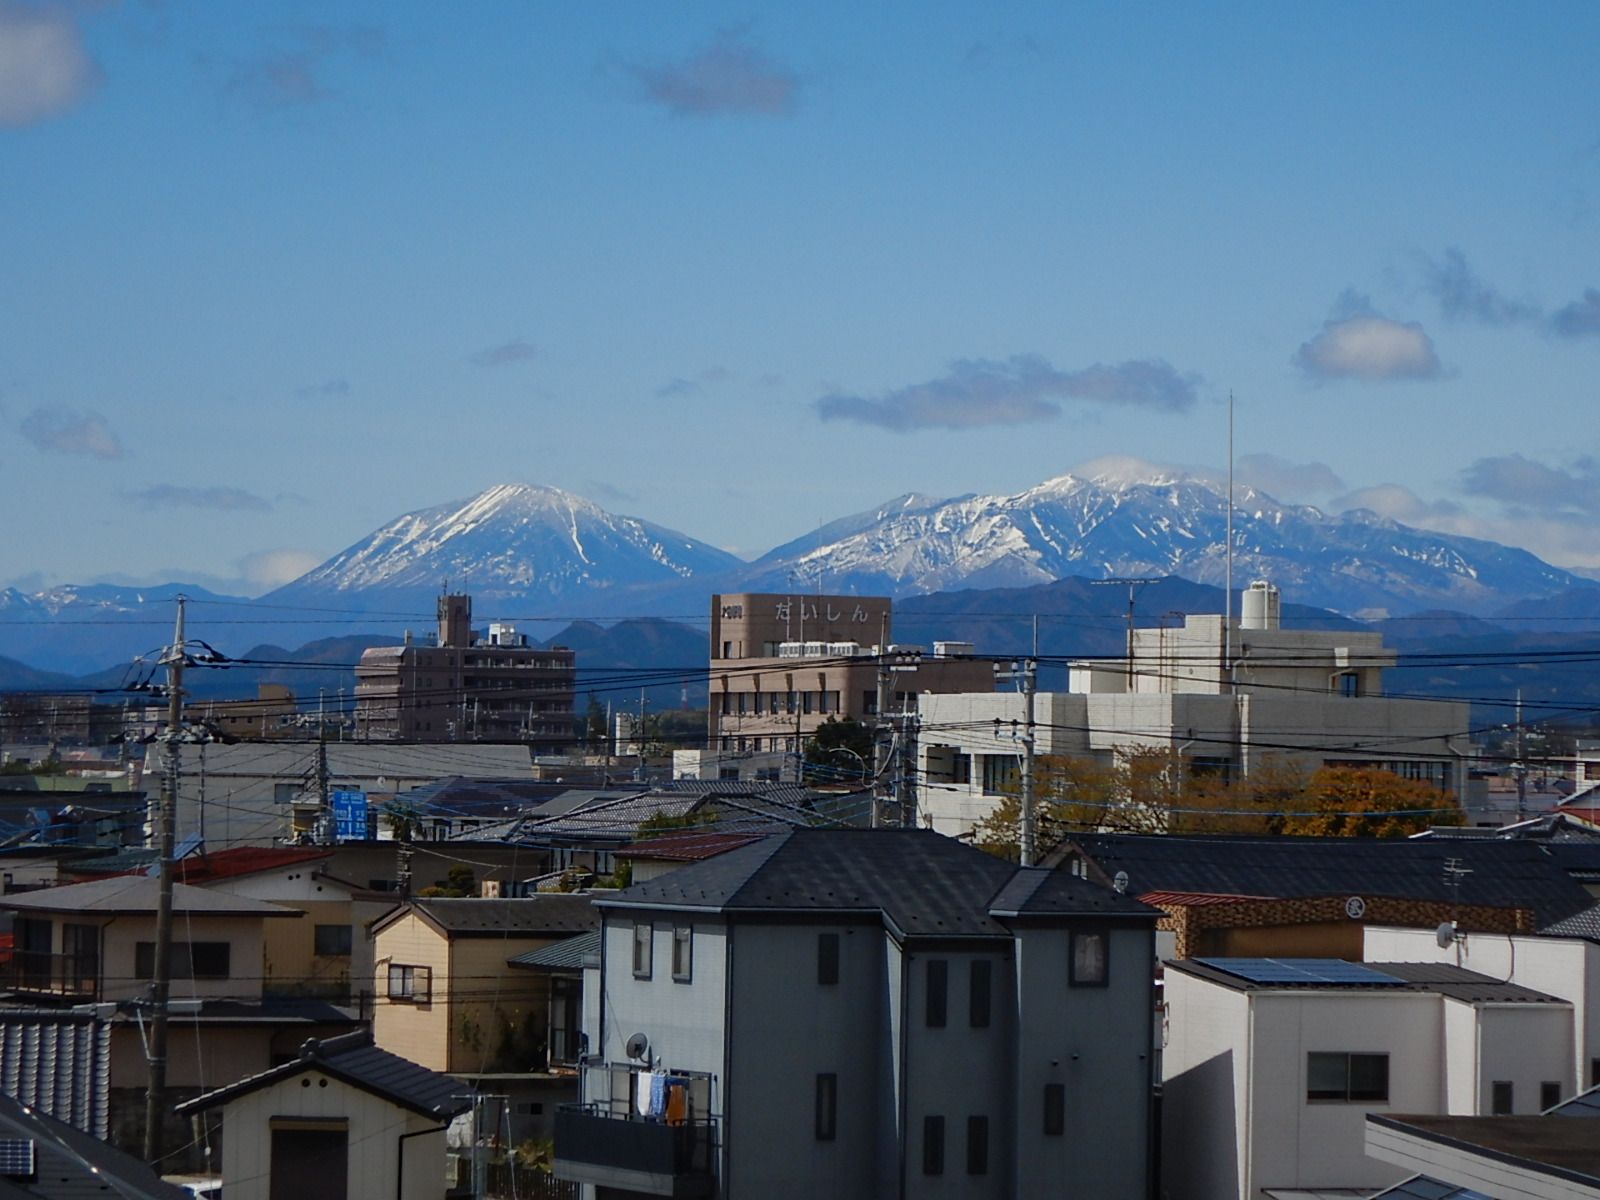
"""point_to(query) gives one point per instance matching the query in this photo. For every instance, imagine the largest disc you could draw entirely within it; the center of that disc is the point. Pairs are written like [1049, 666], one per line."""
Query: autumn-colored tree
[1366, 802]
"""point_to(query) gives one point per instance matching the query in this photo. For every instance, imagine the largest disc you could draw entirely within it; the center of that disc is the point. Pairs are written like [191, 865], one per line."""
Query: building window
[333, 941]
[827, 1107]
[961, 768]
[683, 953]
[933, 1145]
[1501, 1097]
[869, 703]
[411, 984]
[827, 958]
[1344, 1077]
[1089, 954]
[938, 990]
[190, 960]
[1549, 1095]
[643, 948]
[284, 793]
[1000, 774]
[1594, 1072]
[981, 979]
[977, 1145]
[1055, 1109]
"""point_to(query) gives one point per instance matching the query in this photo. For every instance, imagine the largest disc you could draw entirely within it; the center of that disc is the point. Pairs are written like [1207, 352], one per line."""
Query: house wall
[787, 1029]
[120, 936]
[1524, 1045]
[1294, 1142]
[495, 1010]
[375, 1126]
[1096, 1042]
[1205, 1103]
[685, 1022]
[1565, 967]
[420, 1032]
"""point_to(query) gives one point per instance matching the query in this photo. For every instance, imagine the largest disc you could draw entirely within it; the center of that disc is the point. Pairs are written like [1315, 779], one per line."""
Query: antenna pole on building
[1227, 585]
[161, 985]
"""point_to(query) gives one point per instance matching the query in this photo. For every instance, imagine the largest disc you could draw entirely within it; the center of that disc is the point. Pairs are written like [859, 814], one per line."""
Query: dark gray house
[857, 1013]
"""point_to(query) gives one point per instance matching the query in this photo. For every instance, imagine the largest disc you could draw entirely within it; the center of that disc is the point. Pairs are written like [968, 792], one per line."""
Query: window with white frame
[411, 984]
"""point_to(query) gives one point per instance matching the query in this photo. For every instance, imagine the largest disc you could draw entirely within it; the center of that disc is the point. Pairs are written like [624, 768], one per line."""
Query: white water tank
[1260, 606]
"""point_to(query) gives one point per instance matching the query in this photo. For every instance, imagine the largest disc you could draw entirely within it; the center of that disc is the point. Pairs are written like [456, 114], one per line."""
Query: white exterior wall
[1568, 968]
[1205, 1103]
[375, 1126]
[1525, 1045]
[1299, 1143]
[684, 1021]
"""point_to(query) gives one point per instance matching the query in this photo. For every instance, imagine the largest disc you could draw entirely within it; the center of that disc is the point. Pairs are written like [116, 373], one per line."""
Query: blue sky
[271, 274]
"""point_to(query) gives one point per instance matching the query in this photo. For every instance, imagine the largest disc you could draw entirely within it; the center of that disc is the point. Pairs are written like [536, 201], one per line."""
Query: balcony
[37, 973]
[609, 1147]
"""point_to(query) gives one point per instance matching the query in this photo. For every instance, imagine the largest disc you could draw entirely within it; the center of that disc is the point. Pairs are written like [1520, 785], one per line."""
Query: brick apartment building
[462, 688]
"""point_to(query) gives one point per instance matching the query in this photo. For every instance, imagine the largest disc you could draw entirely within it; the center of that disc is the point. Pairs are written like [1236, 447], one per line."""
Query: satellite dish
[637, 1046]
[1120, 881]
[1445, 934]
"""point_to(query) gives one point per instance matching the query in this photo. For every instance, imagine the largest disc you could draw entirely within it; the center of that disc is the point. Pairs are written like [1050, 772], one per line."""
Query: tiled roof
[530, 916]
[138, 894]
[687, 847]
[920, 883]
[1584, 924]
[353, 1058]
[565, 955]
[736, 809]
[1501, 873]
[244, 860]
[58, 1062]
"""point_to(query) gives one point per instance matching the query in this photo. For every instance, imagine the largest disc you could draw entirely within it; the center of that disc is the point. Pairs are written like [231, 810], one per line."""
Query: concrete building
[1271, 1067]
[783, 665]
[1221, 703]
[858, 1013]
[463, 688]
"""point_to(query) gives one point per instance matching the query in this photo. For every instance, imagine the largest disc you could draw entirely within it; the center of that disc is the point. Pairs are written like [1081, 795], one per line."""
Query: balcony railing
[39, 973]
[609, 1147]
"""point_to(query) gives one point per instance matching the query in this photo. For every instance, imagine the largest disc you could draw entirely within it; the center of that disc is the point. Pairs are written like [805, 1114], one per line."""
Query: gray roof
[617, 818]
[59, 1062]
[126, 894]
[74, 1165]
[1585, 924]
[530, 916]
[1445, 979]
[1045, 892]
[565, 955]
[1502, 873]
[1584, 1104]
[354, 1059]
[919, 883]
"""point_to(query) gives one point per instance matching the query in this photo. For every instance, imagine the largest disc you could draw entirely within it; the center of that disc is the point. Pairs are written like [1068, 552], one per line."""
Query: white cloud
[267, 569]
[44, 68]
[1358, 343]
[728, 76]
[217, 499]
[1285, 480]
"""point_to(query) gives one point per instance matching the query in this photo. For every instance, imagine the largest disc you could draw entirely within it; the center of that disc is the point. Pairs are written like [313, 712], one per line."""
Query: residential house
[561, 967]
[849, 1012]
[447, 999]
[94, 943]
[1272, 1065]
[342, 1120]
[1300, 698]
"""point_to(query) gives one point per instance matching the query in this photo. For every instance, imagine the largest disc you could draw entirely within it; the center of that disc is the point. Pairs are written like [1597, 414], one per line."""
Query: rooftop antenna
[1227, 583]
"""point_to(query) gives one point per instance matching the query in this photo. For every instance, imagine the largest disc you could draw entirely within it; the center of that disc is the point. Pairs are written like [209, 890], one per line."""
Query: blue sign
[350, 816]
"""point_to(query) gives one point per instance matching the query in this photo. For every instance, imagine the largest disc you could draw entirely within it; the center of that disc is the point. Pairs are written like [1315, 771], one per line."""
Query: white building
[1304, 698]
[1272, 1065]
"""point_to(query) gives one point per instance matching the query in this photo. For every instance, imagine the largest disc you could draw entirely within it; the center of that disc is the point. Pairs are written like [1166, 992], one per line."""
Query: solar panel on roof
[1301, 971]
[1586, 1104]
[16, 1158]
[1422, 1187]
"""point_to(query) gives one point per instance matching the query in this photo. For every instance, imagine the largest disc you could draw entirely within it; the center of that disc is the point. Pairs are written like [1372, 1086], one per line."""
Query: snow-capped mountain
[513, 540]
[1119, 524]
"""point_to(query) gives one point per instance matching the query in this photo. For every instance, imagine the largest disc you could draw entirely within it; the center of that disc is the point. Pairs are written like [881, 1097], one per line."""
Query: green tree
[829, 749]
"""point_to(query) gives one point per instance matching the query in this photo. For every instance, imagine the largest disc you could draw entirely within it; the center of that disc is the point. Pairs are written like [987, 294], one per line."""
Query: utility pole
[1027, 674]
[161, 986]
[881, 737]
[1133, 590]
[1522, 764]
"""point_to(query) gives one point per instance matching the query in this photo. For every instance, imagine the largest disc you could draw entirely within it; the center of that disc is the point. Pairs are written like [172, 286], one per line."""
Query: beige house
[445, 997]
[342, 1121]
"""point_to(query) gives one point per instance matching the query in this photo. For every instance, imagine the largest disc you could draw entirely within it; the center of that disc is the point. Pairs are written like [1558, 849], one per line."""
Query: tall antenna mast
[1227, 584]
